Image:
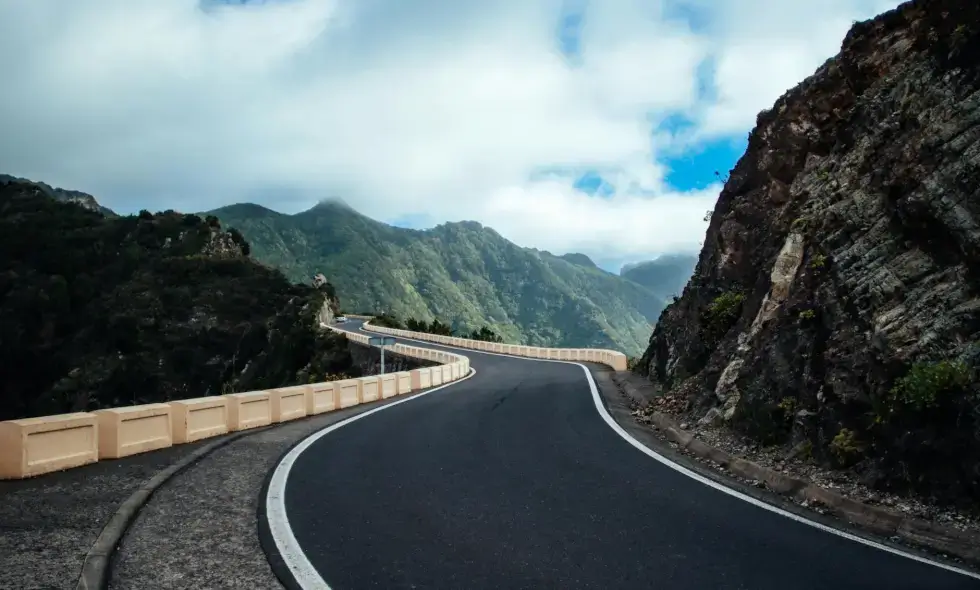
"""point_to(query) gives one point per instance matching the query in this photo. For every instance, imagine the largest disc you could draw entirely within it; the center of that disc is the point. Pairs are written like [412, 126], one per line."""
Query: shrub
[818, 261]
[485, 334]
[724, 309]
[845, 445]
[807, 314]
[925, 385]
[788, 406]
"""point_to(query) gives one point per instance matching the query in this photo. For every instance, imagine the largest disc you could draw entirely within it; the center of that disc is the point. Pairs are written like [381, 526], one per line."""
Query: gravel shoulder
[199, 530]
[48, 523]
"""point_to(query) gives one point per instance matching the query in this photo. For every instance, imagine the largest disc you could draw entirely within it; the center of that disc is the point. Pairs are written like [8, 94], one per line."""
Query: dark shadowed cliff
[836, 302]
[100, 311]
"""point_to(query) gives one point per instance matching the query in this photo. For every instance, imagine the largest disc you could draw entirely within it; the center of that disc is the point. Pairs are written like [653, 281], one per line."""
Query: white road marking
[275, 502]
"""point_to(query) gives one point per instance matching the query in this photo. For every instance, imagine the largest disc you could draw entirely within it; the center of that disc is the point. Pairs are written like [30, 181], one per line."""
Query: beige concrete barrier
[389, 385]
[349, 392]
[404, 381]
[32, 446]
[324, 397]
[447, 374]
[134, 429]
[252, 409]
[198, 418]
[616, 360]
[421, 378]
[436, 376]
[289, 403]
[370, 390]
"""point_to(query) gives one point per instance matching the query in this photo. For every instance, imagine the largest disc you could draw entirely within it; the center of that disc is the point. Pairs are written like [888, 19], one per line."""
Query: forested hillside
[100, 311]
[461, 273]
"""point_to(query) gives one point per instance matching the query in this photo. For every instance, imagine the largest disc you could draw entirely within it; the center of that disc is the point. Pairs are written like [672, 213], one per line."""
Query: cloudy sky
[591, 126]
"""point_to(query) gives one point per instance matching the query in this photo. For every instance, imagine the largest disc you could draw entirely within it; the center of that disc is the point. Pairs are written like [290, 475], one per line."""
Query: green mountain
[461, 273]
[100, 311]
[665, 276]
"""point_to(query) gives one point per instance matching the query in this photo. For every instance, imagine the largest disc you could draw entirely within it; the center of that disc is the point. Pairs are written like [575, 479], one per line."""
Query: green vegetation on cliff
[101, 311]
[462, 273]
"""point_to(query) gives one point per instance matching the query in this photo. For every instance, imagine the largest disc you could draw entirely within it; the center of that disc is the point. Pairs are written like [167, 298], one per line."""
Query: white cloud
[435, 107]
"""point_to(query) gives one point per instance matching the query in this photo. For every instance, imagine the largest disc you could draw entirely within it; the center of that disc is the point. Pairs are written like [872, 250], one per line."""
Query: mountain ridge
[460, 272]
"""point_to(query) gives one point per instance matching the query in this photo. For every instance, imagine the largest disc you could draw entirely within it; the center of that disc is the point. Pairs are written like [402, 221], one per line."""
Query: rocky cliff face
[835, 303]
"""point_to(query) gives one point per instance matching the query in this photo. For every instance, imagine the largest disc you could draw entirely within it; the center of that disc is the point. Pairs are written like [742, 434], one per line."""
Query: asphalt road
[511, 479]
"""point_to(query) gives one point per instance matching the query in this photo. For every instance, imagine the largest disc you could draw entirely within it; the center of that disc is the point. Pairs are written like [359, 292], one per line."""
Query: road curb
[883, 521]
[95, 568]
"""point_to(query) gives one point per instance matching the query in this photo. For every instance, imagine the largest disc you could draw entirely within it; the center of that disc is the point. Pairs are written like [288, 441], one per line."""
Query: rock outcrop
[835, 301]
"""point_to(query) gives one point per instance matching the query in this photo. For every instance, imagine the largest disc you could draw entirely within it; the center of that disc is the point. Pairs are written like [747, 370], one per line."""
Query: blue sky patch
[696, 169]
[570, 30]
[591, 183]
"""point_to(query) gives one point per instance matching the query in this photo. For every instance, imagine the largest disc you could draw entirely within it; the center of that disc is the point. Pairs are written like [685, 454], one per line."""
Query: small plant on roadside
[818, 261]
[845, 445]
[807, 314]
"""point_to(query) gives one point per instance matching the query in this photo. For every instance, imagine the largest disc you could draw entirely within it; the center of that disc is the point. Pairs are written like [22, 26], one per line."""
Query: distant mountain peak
[579, 259]
[328, 202]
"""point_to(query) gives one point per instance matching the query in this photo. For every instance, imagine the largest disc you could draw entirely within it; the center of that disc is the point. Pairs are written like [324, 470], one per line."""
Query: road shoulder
[199, 530]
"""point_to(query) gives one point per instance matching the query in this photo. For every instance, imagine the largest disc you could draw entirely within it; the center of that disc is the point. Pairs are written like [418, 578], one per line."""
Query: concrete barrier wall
[135, 429]
[389, 385]
[350, 392]
[289, 403]
[370, 390]
[404, 380]
[421, 378]
[34, 446]
[252, 409]
[324, 397]
[611, 358]
[195, 419]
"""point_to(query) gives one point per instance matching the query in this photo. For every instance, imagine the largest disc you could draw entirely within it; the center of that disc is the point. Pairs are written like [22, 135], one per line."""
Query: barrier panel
[369, 389]
[404, 381]
[435, 376]
[349, 392]
[324, 397]
[447, 374]
[421, 378]
[33, 446]
[134, 429]
[251, 409]
[198, 418]
[289, 403]
[389, 385]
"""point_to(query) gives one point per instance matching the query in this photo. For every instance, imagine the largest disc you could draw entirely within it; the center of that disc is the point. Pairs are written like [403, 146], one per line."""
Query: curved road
[512, 479]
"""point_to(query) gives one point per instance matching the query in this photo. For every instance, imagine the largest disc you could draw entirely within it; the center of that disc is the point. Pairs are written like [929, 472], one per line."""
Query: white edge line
[275, 501]
[709, 482]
